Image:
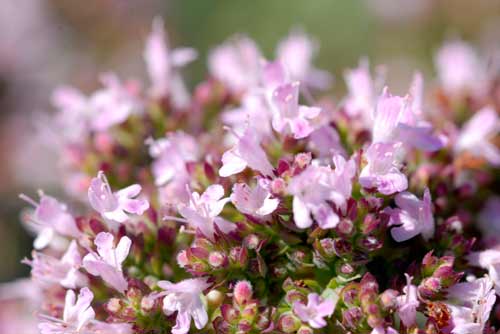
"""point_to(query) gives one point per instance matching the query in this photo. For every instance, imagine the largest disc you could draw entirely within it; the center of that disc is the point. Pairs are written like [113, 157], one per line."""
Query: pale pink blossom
[163, 65]
[297, 52]
[171, 154]
[48, 270]
[459, 68]
[363, 91]
[470, 304]
[107, 262]
[246, 153]
[288, 115]
[412, 217]
[237, 63]
[382, 171]
[202, 211]
[395, 120]
[256, 201]
[315, 311]
[475, 136]
[78, 313]
[113, 104]
[318, 186]
[50, 219]
[489, 260]
[408, 303]
[185, 299]
[115, 206]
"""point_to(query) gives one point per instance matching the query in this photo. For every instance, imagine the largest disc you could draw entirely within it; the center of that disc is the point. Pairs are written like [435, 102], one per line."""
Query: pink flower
[114, 206]
[382, 169]
[171, 155]
[50, 218]
[318, 185]
[490, 260]
[113, 104]
[413, 217]
[395, 121]
[476, 134]
[246, 153]
[107, 262]
[185, 299]
[65, 271]
[256, 201]
[408, 303]
[315, 311]
[470, 304]
[78, 313]
[237, 64]
[363, 91]
[288, 114]
[163, 65]
[202, 211]
[253, 113]
[460, 69]
[297, 52]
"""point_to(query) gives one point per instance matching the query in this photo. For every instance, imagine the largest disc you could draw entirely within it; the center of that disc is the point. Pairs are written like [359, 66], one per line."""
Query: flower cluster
[257, 203]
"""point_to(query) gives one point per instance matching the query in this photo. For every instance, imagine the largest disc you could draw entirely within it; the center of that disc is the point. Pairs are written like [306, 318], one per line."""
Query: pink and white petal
[122, 249]
[231, 164]
[301, 213]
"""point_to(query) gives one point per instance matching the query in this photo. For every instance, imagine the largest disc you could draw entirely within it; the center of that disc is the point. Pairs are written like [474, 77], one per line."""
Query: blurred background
[46, 43]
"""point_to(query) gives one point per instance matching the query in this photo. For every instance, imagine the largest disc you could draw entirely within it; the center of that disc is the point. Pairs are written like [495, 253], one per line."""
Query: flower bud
[242, 292]
[217, 259]
[288, 323]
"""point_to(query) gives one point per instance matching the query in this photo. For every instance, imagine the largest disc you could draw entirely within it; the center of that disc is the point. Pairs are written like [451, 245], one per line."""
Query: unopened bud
[242, 292]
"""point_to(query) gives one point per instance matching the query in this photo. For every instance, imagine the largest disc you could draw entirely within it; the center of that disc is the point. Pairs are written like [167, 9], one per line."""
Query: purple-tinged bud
[371, 243]
[351, 317]
[263, 319]
[302, 160]
[250, 311]
[370, 223]
[288, 323]
[147, 304]
[293, 296]
[283, 167]
[242, 292]
[238, 256]
[134, 294]
[429, 287]
[388, 298]
[278, 186]
[217, 259]
[150, 281]
[113, 306]
[244, 326]
[350, 293]
[345, 227]
[305, 330]
[375, 320]
[251, 241]
[230, 314]
[346, 269]
[342, 247]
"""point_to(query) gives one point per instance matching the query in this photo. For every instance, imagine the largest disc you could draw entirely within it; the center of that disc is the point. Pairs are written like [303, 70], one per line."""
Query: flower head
[185, 299]
[315, 311]
[50, 218]
[114, 206]
[256, 201]
[78, 313]
[202, 211]
[107, 262]
[412, 217]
